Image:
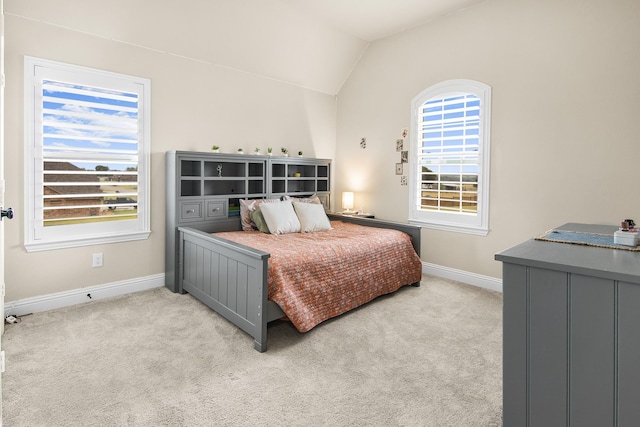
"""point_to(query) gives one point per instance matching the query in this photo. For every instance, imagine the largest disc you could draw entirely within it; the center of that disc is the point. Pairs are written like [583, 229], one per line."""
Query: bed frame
[231, 278]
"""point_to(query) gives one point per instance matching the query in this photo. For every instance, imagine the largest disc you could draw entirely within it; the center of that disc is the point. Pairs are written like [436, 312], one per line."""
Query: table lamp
[347, 202]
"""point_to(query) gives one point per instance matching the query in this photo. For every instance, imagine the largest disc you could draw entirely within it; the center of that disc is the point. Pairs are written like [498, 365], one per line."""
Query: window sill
[457, 228]
[74, 243]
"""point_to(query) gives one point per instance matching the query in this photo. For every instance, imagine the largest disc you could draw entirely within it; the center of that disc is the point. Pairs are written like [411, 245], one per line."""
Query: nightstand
[355, 215]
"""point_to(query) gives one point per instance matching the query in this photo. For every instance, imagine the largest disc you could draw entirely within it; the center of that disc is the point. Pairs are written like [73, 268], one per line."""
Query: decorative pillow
[258, 220]
[246, 207]
[311, 199]
[280, 217]
[312, 217]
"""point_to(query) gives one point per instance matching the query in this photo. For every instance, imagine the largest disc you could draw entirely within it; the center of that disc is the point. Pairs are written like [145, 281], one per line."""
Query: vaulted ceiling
[370, 20]
[309, 43]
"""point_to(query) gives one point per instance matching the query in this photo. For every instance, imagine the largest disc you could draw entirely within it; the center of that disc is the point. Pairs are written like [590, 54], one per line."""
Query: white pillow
[280, 217]
[312, 217]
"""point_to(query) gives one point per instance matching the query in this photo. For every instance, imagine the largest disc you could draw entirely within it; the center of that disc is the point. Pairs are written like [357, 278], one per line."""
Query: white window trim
[107, 232]
[472, 224]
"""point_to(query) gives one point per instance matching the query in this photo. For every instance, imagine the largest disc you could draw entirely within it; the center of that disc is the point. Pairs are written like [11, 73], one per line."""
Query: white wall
[265, 37]
[194, 105]
[565, 80]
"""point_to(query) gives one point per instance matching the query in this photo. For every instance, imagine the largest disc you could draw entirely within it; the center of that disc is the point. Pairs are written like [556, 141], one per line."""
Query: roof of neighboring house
[69, 189]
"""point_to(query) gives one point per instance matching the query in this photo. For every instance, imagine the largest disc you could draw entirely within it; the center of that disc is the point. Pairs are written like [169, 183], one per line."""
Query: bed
[250, 282]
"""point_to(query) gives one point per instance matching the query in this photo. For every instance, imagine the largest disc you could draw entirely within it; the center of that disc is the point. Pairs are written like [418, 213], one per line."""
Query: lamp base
[348, 212]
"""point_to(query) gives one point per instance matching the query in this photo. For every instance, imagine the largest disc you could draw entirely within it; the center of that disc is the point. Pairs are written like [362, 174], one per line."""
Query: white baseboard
[462, 276]
[78, 296]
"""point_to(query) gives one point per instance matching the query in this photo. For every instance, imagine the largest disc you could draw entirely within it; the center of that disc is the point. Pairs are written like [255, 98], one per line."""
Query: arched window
[449, 157]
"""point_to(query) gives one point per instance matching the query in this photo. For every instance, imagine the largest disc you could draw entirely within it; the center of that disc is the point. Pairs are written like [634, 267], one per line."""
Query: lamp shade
[347, 200]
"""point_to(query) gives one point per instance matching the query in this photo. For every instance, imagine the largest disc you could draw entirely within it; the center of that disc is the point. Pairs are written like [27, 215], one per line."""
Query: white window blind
[87, 150]
[448, 155]
[90, 154]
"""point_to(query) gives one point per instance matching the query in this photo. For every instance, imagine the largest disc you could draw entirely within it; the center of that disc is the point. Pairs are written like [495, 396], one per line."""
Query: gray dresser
[571, 343]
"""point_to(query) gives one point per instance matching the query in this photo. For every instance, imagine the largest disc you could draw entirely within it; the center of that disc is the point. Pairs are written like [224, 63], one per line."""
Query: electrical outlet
[97, 260]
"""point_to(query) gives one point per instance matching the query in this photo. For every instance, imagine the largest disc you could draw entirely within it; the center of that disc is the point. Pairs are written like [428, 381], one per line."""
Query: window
[449, 157]
[86, 156]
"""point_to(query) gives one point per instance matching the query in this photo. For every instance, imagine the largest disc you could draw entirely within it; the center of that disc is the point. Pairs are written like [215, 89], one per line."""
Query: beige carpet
[427, 356]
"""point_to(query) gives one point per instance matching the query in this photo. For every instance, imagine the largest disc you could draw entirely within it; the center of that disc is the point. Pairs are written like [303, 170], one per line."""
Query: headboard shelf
[204, 190]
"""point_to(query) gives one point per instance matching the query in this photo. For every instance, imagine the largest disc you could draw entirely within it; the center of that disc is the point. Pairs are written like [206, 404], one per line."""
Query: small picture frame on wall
[399, 144]
[399, 168]
[404, 156]
[403, 180]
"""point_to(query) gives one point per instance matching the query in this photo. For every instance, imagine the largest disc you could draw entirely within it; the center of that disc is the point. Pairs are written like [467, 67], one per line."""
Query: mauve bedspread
[317, 276]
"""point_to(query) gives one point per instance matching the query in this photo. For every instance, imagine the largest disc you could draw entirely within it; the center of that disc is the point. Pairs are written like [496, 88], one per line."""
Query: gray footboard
[229, 278]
